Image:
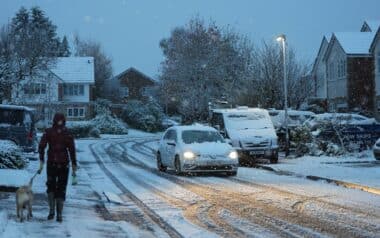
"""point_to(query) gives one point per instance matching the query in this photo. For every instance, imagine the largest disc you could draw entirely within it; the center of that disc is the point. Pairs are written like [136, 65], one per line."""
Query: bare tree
[103, 63]
[203, 62]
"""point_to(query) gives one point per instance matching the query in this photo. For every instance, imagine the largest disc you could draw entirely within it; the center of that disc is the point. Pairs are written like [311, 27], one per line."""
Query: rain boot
[51, 201]
[60, 202]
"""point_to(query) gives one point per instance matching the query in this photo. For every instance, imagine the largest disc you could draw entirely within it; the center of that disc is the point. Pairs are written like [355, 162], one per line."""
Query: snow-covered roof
[75, 69]
[355, 42]
[15, 107]
[373, 24]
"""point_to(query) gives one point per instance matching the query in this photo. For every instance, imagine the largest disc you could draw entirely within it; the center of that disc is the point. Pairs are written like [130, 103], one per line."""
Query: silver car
[196, 148]
[376, 150]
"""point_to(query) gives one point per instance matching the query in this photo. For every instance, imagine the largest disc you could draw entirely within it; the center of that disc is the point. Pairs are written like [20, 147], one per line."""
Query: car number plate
[256, 152]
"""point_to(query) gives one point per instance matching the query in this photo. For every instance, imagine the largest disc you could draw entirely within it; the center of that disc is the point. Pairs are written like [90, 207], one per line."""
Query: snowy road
[122, 194]
[244, 206]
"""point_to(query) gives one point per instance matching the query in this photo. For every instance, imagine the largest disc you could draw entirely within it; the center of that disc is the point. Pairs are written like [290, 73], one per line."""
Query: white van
[250, 131]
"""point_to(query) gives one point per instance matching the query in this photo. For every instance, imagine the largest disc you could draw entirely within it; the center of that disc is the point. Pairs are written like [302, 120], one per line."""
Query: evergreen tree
[64, 48]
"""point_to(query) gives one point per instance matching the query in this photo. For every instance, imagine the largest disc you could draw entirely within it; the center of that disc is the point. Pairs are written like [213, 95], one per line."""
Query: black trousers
[57, 177]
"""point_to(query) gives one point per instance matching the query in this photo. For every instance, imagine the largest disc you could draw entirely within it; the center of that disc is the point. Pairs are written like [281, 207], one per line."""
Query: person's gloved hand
[41, 167]
[74, 167]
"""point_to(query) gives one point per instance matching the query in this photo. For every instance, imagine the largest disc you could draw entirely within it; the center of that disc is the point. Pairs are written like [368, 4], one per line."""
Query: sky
[130, 30]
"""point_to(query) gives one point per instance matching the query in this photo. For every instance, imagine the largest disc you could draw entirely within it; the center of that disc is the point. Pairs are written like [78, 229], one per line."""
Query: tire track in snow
[260, 218]
[360, 229]
[149, 212]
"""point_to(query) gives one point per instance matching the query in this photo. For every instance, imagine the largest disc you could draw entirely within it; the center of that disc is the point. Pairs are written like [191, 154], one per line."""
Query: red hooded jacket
[61, 143]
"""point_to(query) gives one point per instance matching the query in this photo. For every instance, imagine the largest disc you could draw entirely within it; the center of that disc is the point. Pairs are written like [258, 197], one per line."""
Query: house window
[124, 91]
[145, 92]
[75, 112]
[73, 89]
[341, 68]
[35, 89]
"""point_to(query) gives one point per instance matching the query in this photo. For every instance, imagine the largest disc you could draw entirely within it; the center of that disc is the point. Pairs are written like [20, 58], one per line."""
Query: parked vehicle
[355, 131]
[17, 124]
[376, 150]
[295, 118]
[339, 119]
[196, 148]
[169, 122]
[250, 130]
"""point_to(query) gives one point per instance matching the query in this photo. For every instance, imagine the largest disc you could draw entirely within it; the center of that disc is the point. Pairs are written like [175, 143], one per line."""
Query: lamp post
[282, 39]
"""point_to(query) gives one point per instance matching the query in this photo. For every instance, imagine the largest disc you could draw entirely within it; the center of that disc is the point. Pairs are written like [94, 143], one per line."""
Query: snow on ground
[360, 168]
[87, 211]
[14, 177]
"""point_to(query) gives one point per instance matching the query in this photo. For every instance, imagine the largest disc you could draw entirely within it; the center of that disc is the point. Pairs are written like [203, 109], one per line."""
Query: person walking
[61, 150]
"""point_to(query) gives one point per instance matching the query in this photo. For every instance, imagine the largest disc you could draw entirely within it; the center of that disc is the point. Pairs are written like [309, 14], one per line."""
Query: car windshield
[12, 117]
[194, 136]
[248, 120]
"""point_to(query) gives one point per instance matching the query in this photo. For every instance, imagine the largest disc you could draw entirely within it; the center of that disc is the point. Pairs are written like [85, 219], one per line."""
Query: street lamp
[282, 39]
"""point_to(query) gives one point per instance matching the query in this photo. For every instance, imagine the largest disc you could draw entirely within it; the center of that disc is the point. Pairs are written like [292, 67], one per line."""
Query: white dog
[24, 199]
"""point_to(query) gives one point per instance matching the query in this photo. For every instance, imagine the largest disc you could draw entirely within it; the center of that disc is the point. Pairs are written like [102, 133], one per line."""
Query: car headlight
[189, 155]
[233, 155]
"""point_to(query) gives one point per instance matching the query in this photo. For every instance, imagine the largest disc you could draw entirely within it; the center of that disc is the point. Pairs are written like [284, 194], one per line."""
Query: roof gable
[370, 26]
[375, 41]
[133, 71]
[321, 52]
[74, 69]
[352, 43]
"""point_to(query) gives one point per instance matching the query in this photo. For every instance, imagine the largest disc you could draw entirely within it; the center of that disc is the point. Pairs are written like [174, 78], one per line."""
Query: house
[318, 73]
[370, 26]
[343, 71]
[349, 71]
[67, 87]
[375, 51]
[130, 85]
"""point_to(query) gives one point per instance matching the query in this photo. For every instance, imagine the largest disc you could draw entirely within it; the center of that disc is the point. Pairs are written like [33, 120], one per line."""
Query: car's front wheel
[177, 166]
[160, 166]
[274, 160]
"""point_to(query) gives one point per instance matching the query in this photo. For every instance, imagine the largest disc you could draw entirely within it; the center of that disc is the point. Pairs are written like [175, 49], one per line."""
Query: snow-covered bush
[107, 124]
[11, 155]
[144, 116]
[82, 129]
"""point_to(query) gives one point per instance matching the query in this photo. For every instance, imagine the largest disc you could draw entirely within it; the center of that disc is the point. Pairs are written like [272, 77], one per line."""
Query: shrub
[107, 124]
[82, 129]
[11, 155]
[144, 116]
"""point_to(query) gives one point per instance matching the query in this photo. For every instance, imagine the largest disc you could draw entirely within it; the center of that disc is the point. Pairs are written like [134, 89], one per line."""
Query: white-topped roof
[75, 69]
[355, 42]
[373, 25]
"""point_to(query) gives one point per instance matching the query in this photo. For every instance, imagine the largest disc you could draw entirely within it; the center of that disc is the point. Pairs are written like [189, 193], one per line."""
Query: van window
[217, 119]
[248, 120]
[11, 117]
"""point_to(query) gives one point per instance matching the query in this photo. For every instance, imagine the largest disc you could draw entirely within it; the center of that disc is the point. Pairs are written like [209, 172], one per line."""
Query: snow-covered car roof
[16, 107]
[239, 110]
[196, 127]
[341, 118]
[294, 112]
